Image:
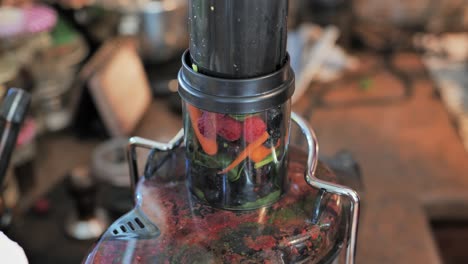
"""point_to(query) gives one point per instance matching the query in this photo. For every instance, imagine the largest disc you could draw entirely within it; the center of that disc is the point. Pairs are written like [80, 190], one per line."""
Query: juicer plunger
[245, 194]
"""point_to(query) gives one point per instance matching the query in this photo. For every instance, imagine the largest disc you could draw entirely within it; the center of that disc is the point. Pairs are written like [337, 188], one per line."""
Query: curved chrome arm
[313, 181]
[135, 142]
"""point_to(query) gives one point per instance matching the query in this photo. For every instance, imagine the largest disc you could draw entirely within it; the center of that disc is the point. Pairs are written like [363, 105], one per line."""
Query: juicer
[229, 188]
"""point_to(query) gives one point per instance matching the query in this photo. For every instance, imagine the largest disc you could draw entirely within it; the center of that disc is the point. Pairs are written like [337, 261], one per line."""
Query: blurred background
[383, 83]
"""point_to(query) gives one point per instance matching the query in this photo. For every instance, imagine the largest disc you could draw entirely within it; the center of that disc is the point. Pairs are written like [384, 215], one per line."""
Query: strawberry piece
[207, 125]
[254, 127]
[229, 128]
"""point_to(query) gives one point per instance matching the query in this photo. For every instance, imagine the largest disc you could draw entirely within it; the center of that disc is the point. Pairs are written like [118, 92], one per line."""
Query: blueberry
[274, 120]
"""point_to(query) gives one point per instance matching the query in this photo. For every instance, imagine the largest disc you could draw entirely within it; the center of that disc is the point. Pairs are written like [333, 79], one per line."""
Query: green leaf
[366, 84]
[263, 201]
[239, 117]
[63, 33]
[242, 117]
[205, 160]
[215, 162]
[270, 158]
[199, 194]
[235, 174]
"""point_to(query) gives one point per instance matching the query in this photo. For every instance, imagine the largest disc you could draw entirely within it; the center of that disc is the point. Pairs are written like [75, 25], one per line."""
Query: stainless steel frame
[313, 181]
[135, 142]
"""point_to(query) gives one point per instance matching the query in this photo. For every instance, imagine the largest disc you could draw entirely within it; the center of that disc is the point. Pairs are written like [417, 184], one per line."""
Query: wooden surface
[411, 157]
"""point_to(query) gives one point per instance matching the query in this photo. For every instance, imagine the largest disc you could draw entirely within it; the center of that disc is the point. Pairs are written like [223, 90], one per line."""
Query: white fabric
[11, 252]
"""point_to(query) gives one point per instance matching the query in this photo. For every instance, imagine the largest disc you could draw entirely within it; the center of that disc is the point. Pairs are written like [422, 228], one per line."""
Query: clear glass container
[234, 161]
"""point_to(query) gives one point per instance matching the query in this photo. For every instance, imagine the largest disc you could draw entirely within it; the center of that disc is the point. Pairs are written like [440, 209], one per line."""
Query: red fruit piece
[229, 128]
[254, 127]
[207, 125]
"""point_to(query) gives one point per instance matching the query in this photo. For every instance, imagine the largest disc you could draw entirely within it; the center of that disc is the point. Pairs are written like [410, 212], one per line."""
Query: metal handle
[12, 113]
[135, 142]
[312, 162]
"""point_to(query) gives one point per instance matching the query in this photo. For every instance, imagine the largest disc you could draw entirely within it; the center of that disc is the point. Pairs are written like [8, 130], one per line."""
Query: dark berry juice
[237, 161]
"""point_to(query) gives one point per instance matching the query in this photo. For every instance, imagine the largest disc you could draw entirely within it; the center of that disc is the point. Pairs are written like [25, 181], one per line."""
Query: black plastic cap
[238, 38]
[235, 96]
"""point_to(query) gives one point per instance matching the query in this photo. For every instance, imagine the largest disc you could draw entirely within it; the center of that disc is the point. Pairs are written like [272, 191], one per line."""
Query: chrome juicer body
[228, 188]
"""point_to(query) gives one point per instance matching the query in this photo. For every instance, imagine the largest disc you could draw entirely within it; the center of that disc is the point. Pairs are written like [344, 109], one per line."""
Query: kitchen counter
[414, 166]
[388, 116]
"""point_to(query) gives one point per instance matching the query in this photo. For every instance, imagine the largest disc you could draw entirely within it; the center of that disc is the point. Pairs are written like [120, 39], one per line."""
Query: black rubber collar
[235, 96]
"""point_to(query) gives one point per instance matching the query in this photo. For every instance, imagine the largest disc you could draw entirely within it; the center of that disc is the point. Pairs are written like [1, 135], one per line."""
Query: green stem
[272, 157]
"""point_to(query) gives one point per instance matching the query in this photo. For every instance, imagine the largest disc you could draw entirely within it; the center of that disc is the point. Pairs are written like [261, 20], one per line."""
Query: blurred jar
[158, 27]
[109, 166]
[13, 75]
[54, 71]
[324, 13]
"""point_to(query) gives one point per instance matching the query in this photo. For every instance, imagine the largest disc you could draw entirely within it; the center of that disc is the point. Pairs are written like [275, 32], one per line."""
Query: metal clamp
[135, 142]
[312, 162]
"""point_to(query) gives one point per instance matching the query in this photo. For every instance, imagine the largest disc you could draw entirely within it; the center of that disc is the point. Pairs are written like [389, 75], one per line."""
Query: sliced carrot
[261, 152]
[208, 145]
[246, 152]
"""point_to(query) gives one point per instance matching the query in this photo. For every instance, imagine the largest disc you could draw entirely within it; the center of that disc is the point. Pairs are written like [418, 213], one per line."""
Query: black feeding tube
[238, 39]
[237, 72]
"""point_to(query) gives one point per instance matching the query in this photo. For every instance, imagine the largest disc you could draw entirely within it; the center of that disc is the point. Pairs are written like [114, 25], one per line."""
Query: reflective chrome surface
[328, 186]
